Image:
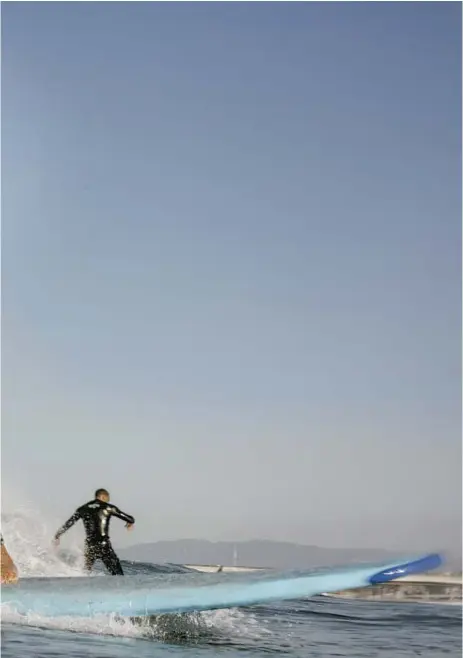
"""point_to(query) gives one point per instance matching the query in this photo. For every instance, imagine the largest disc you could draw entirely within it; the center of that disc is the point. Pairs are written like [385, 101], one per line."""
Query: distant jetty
[419, 588]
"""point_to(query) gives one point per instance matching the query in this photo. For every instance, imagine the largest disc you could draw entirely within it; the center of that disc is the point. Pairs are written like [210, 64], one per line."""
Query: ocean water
[319, 627]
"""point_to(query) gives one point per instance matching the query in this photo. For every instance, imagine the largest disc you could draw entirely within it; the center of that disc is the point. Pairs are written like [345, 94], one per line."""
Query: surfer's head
[102, 494]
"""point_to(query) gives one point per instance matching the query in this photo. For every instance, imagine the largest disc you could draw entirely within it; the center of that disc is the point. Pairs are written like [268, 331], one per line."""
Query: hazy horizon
[231, 278]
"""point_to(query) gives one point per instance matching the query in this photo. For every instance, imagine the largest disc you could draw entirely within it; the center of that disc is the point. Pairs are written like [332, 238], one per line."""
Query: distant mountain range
[259, 553]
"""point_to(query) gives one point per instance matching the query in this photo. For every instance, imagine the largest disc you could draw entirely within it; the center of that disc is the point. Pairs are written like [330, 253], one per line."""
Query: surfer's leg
[90, 557]
[111, 561]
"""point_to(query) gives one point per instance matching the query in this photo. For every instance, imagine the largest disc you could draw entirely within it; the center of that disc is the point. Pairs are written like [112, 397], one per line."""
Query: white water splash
[28, 539]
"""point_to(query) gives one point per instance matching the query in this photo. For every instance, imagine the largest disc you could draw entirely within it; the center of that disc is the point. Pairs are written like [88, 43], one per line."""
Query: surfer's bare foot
[9, 577]
[9, 573]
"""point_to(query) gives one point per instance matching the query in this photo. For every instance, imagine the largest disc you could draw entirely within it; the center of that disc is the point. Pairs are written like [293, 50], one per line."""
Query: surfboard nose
[426, 563]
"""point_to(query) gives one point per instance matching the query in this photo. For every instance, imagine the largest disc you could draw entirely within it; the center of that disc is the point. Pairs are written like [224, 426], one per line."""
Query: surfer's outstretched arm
[69, 523]
[123, 516]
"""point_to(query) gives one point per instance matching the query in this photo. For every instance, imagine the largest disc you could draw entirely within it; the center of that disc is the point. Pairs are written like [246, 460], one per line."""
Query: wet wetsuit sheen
[96, 516]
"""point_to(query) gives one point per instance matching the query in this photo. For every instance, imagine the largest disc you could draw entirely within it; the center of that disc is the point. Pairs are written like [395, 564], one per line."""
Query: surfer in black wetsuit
[96, 516]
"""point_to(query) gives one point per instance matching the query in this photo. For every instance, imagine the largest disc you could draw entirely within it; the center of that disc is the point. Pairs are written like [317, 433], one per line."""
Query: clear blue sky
[231, 266]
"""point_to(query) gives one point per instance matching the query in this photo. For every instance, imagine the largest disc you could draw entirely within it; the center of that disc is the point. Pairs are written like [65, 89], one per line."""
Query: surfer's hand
[129, 526]
[55, 542]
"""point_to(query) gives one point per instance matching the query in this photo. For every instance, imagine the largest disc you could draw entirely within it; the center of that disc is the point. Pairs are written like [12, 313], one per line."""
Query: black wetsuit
[96, 516]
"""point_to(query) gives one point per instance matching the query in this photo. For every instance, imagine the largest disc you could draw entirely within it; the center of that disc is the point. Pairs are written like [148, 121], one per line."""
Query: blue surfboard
[135, 596]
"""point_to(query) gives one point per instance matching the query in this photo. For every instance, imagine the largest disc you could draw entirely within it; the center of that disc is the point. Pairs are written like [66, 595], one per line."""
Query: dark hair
[101, 492]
